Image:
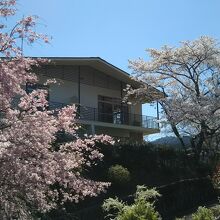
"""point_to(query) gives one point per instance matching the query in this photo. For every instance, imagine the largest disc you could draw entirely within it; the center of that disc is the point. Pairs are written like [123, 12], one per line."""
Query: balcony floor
[145, 131]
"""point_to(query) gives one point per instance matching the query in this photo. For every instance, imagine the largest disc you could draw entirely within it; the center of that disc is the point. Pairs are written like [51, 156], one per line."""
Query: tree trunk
[176, 132]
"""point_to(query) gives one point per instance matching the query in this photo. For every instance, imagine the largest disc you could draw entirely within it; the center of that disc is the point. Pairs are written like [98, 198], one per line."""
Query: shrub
[216, 211]
[203, 214]
[143, 207]
[118, 175]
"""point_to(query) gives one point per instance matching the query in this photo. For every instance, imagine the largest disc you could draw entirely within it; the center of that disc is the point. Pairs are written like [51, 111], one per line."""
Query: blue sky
[118, 30]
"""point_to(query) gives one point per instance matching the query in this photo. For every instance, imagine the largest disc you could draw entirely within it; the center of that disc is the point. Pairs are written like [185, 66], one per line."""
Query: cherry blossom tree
[188, 78]
[35, 174]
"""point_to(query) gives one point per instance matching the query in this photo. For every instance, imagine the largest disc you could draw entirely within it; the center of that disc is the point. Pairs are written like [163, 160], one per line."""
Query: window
[112, 110]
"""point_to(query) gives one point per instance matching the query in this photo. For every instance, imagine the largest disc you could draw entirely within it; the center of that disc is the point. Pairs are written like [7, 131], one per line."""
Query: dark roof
[97, 63]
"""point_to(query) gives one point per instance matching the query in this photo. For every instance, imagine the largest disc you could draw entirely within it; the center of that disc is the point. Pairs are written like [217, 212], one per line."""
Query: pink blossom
[29, 162]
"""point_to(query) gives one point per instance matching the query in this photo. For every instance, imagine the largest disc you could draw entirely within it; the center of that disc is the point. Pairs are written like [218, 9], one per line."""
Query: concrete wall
[89, 95]
[114, 132]
[64, 91]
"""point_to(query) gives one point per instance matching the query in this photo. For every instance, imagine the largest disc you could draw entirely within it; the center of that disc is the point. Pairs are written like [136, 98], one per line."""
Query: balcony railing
[121, 118]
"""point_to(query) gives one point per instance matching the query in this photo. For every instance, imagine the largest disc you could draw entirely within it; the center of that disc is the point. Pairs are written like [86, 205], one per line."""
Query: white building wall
[63, 91]
[89, 95]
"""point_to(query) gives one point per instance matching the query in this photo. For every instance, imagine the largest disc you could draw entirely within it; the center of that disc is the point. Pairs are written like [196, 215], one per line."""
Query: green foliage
[142, 209]
[216, 210]
[118, 175]
[203, 214]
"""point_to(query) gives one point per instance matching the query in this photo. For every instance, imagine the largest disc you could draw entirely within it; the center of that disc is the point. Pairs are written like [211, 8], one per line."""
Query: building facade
[97, 87]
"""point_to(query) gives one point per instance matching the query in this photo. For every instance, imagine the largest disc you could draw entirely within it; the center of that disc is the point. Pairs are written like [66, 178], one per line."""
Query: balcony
[120, 118]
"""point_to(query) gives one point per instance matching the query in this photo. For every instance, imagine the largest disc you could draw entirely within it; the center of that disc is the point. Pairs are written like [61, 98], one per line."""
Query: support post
[93, 129]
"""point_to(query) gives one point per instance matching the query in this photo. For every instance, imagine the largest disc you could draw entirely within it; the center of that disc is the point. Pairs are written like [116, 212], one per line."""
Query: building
[96, 86]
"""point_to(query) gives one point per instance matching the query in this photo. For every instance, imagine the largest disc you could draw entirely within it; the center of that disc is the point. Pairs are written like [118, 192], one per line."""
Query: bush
[118, 175]
[142, 208]
[216, 211]
[203, 214]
